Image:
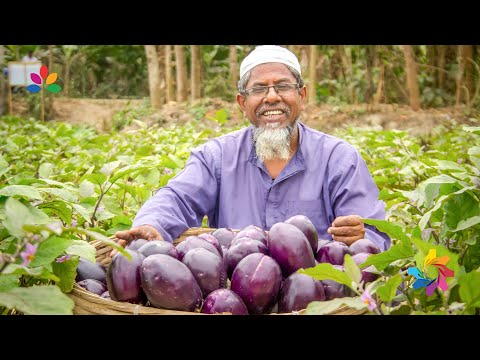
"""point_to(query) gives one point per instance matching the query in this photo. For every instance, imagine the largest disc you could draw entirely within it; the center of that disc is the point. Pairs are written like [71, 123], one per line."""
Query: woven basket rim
[90, 303]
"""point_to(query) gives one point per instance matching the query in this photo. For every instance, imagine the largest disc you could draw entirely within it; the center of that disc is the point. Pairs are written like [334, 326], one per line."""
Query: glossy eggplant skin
[193, 242]
[123, 277]
[367, 276]
[252, 233]
[334, 253]
[289, 247]
[158, 247]
[298, 290]
[207, 268]
[94, 286]
[364, 246]
[224, 236]
[334, 290]
[136, 244]
[224, 301]
[212, 240]
[88, 270]
[236, 253]
[257, 280]
[305, 225]
[169, 284]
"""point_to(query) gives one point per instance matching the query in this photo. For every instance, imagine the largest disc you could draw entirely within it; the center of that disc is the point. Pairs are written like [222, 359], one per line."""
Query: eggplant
[236, 253]
[89, 270]
[224, 236]
[364, 246]
[158, 247]
[305, 225]
[212, 240]
[367, 276]
[136, 244]
[334, 253]
[298, 290]
[224, 301]
[193, 242]
[94, 286]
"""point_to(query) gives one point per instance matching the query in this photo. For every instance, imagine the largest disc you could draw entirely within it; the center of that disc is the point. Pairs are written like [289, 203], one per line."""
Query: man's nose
[272, 95]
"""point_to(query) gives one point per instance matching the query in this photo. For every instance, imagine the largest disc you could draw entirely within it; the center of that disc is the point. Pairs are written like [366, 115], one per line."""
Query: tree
[168, 73]
[196, 71]
[3, 92]
[312, 78]
[232, 57]
[153, 76]
[411, 74]
[181, 72]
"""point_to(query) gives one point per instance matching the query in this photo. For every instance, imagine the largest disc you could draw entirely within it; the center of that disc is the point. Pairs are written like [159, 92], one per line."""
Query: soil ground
[99, 113]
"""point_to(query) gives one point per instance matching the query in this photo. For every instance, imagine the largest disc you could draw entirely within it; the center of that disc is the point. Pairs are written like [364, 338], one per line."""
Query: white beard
[272, 143]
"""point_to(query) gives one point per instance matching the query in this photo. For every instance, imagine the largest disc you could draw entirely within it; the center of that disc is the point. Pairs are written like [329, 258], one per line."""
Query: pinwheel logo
[49, 81]
[431, 284]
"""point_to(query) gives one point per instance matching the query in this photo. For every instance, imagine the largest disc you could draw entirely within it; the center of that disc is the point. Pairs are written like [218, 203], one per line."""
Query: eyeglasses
[280, 89]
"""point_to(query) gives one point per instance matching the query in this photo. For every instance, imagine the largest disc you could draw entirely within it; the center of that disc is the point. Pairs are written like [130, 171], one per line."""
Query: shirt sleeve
[354, 192]
[185, 200]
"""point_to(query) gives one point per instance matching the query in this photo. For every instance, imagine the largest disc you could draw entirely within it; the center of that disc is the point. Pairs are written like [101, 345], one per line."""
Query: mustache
[265, 108]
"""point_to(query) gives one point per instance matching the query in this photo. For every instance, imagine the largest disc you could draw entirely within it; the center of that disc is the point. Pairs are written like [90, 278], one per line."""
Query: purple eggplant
[169, 284]
[334, 290]
[158, 247]
[333, 253]
[298, 290]
[257, 280]
[212, 240]
[193, 242]
[123, 277]
[304, 224]
[252, 233]
[207, 268]
[367, 274]
[136, 244]
[94, 286]
[224, 301]
[224, 236]
[88, 270]
[236, 253]
[364, 246]
[290, 248]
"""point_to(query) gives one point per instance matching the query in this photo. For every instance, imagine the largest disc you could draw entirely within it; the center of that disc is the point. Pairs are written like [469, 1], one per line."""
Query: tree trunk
[66, 78]
[50, 58]
[312, 78]
[153, 76]
[196, 71]
[161, 72]
[377, 98]
[3, 88]
[181, 73]
[346, 59]
[232, 57]
[369, 61]
[468, 58]
[168, 73]
[460, 74]
[411, 74]
[441, 55]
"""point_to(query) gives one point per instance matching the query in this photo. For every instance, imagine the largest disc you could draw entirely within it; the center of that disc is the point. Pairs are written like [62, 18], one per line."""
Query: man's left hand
[347, 229]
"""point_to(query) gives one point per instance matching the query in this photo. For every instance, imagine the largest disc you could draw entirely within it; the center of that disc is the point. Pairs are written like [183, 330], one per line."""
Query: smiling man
[266, 173]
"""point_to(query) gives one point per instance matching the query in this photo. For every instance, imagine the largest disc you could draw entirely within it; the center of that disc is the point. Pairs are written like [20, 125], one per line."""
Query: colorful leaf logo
[443, 272]
[49, 81]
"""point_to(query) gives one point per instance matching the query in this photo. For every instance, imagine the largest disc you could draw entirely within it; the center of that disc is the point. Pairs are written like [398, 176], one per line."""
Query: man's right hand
[146, 232]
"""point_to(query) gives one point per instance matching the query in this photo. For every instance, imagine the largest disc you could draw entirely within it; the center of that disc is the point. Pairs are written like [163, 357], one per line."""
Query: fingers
[146, 232]
[122, 243]
[349, 220]
[347, 230]
[125, 234]
[348, 240]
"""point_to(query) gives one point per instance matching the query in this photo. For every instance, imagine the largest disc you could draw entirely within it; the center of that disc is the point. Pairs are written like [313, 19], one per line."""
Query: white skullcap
[267, 54]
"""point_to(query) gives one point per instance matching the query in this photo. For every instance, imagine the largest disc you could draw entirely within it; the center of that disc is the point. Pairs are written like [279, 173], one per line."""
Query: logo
[49, 81]
[431, 284]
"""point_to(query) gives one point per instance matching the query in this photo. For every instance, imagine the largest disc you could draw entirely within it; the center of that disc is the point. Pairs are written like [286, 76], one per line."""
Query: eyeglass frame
[267, 89]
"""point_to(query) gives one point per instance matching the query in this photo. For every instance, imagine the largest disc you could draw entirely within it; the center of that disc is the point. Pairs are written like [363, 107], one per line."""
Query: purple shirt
[224, 180]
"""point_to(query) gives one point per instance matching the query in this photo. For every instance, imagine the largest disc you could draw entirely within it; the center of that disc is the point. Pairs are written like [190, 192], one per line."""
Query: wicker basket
[87, 303]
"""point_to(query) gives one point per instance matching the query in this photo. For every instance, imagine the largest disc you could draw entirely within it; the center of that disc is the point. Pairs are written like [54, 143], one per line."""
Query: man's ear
[241, 101]
[303, 95]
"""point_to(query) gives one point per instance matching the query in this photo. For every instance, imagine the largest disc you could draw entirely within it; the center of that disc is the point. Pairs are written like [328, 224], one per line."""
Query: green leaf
[61, 193]
[3, 165]
[352, 270]
[45, 170]
[58, 208]
[54, 88]
[87, 189]
[129, 170]
[449, 165]
[388, 291]
[108, 168]
[83, 249]
[105, 240]
[38, 272]
[327, 271]
[472, 129]
[66, 272]
[98, 178]
[326, 307]
[391, 229]
[383, 259]
[470, 289]
[38, 300]
[87, 214]
[17, 215]
[460, 207]
[49, 250]
[112, 205]
[8, 282]
[29, 192]
[153, 177]
[467, 223]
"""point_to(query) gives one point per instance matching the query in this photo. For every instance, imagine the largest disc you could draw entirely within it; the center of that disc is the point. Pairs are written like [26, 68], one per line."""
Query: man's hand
[146, 232]
[347, 229]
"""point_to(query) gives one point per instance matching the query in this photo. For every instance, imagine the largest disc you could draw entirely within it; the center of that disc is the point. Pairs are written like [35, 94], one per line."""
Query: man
[29, 57]
[270, 171]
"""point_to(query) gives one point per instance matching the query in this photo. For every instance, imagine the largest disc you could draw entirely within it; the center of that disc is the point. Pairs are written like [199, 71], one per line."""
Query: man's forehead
[270, 70]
